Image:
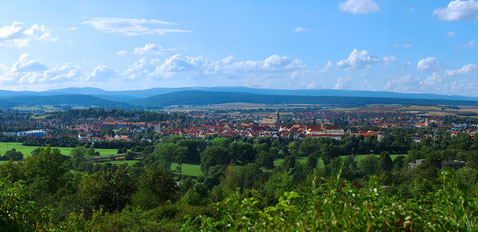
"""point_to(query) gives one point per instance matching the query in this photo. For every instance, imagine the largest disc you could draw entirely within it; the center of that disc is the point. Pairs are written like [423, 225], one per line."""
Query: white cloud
[405, 83]
[327, 67]
[122, 53]
[177, 65]
[469, 69]
[25, 64]
[342, 82]
[102, 73]
[433, 79]
[132, 27]
[17, 35]
[3, 68]
[389, 59]
[143, 68]
[359, 6]
[151, 48]
[299, 29]
[429, 64]
[451, 34]
[362, 59]
[470, 44]
[407, 45]
[29, 71]
[458, 10]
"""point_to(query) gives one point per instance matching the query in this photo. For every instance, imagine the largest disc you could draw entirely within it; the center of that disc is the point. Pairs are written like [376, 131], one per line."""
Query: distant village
[286, 125]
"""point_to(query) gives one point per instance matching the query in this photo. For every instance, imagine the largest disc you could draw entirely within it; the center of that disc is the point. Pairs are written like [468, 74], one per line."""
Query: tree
[386, 163]
[156, 187]
[369, 165]
[328, 152]
[78, 157]
[265, 159]
[293, 148]
[166, 154]
[214, 155]
[196, 195]
[244, 177]
[242, 153]
[310, 147]
[12, 155]
[49, 166]
[110, 190]
[194, 147]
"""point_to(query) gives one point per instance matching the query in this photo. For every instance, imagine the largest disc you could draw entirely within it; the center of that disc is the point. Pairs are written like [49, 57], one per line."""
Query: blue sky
[388, 45]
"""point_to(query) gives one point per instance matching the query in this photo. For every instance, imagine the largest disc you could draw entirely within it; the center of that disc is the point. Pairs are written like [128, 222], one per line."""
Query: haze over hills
[137, 94]
[161, 97]
[211, 97]
[72, 100]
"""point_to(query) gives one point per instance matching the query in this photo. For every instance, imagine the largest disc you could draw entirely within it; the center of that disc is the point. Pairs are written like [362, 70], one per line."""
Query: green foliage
[156, 187]
[331, 205]
[166, 153]
[12, 155]
[110, 190]
[386, 163]
[214, 155]
[369, 165]
[244, 177]
[16, 213]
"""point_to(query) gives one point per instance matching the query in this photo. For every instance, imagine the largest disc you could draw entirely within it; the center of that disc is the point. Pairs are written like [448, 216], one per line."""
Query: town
[295, 124]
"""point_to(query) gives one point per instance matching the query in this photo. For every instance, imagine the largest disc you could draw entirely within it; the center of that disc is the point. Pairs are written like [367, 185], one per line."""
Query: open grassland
[27, 150]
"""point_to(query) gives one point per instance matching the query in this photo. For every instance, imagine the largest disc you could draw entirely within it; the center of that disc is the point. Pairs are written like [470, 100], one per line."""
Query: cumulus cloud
[132, 27]
[201, 66]
[18, 35]
[342, 82]
[26, 64]
[142, 68]
[429, 64]
[151, 48]
[102, 73]
[469, 69]
[470, 44]
[362, 59]
[122, 53]
[402, 84]
[30, 71]
[458, 10]
[359, 6]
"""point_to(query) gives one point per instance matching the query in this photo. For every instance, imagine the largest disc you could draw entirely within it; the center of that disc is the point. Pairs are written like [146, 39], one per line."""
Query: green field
[188, 169]
[27, 150]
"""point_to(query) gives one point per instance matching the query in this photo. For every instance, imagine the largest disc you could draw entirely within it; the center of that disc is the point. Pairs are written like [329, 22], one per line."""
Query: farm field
[27, 150]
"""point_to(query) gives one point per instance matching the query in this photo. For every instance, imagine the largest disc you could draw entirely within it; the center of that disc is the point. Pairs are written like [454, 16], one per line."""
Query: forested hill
[207, 97]
[72, 100]
[198, 98]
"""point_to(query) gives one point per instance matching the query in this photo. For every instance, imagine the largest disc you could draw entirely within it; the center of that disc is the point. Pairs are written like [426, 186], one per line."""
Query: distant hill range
[160, 97]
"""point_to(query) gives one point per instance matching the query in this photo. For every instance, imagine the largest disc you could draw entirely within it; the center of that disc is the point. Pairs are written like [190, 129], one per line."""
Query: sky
[378, 45]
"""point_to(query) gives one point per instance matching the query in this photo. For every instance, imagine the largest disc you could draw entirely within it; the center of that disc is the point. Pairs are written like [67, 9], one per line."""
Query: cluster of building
[293, 125]
[31, 133]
